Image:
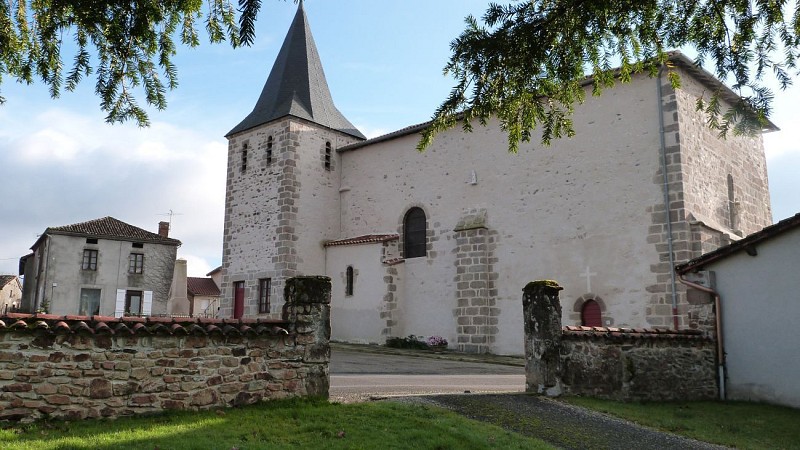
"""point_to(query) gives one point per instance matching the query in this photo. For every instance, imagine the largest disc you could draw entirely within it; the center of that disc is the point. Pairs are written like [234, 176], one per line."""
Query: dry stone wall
[75, 367]
[616, 363]
[638, 364]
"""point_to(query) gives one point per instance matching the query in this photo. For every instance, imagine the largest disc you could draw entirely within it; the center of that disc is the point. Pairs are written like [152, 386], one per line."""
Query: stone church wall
[703, 218]
[577, 210]
[74, 367]
[267, 232]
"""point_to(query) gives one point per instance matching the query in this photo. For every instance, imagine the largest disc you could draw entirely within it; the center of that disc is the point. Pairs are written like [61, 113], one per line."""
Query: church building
[442, 242]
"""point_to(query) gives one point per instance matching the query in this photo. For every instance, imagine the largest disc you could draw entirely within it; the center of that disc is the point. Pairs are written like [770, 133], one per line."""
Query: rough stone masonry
[75, 367]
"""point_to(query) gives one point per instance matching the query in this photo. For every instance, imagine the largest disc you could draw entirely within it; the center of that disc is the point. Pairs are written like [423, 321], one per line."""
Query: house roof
[214, 271]
[202, 286]
[108, 228]
[702, 75]
[296, 86]
[6, 279]
[747, 243]
[364, 239]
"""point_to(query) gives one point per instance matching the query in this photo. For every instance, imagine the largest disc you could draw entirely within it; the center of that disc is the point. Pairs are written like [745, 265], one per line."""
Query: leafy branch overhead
[128, 45]
[526, 64]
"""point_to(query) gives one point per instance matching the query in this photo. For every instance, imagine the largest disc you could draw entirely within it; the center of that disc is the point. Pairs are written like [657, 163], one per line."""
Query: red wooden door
[591, 315]
[238, 299]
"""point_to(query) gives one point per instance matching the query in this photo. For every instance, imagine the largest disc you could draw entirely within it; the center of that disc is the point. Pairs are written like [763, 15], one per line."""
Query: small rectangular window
[328, 156]
[136, 263]
[137, 245]
[269, 150]
[89, 259]
[244, 157]
[263, 295]
[91, 241]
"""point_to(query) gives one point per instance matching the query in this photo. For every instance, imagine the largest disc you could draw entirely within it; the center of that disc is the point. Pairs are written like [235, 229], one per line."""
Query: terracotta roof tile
[632, 333]
[364, 239]
[140, 325]
[111, 228]
[202, 286]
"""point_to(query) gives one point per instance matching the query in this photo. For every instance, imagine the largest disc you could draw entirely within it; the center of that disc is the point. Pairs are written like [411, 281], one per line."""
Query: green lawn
[735, 424]
[279, 424]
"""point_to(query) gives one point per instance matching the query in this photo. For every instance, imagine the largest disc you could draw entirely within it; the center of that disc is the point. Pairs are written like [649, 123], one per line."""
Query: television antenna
[171, 213]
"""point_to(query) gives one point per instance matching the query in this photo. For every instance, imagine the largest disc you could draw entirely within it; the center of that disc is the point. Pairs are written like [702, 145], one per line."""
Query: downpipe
[718, 323]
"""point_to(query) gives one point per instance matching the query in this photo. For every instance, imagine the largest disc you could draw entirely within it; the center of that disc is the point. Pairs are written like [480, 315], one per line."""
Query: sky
[62, 164]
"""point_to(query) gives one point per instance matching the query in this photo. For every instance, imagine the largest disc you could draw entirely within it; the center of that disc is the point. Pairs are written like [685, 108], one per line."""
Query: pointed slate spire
[296, 85]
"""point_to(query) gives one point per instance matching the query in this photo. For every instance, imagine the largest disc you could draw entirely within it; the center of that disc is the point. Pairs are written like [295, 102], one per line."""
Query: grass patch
[277, 424]
[742, 425]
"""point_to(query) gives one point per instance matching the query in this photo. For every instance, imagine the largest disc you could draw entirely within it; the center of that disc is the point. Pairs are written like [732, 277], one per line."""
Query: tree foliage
[526, 65]
[128, 45]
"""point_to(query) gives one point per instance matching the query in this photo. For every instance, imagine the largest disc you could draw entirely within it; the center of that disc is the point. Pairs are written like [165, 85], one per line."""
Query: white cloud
[196, 266]
[70, 167]
[785, 141]
[372, 132]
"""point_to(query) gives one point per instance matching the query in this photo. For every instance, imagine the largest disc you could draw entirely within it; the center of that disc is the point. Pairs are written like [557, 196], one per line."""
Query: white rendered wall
[357, 317]
[760, 313]
[66, 254]
[577, 207]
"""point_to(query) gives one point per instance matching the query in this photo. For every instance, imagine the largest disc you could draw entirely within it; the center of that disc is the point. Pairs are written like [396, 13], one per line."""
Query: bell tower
[282, 187]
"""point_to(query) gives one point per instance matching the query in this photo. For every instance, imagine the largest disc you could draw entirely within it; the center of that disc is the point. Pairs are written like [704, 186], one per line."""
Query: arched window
[591, 315]
[348, 285]
[414, 231]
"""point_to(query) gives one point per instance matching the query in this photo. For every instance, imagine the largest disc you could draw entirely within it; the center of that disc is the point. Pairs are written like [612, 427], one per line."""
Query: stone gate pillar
[542, 312]
[307, 308]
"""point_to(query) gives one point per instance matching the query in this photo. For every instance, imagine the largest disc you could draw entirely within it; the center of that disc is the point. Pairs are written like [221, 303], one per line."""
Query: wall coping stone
[140, 325]
[633, 333]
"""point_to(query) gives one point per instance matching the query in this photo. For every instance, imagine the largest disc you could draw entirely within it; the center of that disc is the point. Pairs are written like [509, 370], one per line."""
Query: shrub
[410, 341]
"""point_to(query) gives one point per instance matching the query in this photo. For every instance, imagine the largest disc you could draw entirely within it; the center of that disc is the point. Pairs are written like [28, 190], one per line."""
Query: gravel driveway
[562, 425]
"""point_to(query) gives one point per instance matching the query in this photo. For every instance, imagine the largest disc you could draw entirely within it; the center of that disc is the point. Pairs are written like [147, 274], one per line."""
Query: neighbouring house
[100, 267]
[756, 281]
[442, 242]
[10, 293]
[204, 295]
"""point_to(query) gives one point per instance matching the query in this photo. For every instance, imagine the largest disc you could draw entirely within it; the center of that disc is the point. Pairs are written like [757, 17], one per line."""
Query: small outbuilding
[757, 283]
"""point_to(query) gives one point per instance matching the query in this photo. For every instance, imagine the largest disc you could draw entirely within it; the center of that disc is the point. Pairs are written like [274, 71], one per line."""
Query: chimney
[163, 229]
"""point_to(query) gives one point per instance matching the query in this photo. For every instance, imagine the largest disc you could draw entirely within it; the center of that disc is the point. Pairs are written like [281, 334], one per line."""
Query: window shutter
[147, 304]
[119, 309]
